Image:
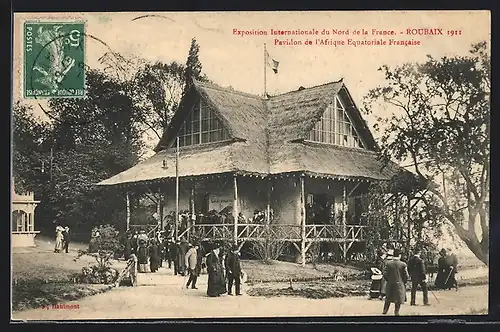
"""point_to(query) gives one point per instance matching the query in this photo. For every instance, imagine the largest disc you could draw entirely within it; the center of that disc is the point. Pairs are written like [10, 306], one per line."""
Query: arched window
[335, 127]
[201, 126]
[19, 221]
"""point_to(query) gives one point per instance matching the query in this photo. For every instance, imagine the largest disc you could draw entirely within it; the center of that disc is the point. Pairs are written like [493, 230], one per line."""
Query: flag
[272, 63]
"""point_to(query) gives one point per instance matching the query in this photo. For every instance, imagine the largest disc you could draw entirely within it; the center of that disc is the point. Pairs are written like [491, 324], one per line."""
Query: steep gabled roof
[244, 115]
[267, 137]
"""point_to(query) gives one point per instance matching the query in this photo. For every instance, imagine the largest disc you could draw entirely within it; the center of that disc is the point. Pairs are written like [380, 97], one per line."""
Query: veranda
[287, 201]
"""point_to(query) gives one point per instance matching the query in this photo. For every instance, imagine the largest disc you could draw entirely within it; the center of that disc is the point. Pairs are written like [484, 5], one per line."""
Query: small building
[23, 219]
[302, 157]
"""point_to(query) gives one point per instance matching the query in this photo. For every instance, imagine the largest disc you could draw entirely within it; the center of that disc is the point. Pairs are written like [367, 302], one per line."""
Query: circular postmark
[60, 79]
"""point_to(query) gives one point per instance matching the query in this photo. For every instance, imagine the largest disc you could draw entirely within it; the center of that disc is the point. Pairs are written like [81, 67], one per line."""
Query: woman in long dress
[154, 256]
[216, 282]
[59, 238]
[142, 256]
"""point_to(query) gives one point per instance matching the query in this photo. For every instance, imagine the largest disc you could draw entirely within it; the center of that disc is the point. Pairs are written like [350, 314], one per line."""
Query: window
[335, 127]
[20, 221]
[201, 126]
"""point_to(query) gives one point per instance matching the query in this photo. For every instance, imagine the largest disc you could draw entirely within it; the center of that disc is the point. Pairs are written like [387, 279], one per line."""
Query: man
[192, 266]
[386, 258]
[418, 275]
[173, 252]
[183, 249]
[168, 256]
[233, 270]
[161, 250]
[66, 239]
[396, 275]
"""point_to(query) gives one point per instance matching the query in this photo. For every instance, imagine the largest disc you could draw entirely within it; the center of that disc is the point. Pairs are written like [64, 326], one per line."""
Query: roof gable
[268, 136]
[243, 115]
[292, 115]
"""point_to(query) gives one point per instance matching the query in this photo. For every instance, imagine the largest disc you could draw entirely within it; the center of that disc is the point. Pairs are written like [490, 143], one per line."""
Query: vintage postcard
[175, 165]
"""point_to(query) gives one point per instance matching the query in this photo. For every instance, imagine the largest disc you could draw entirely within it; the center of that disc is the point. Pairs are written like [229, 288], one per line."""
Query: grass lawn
[41, 277]
[329, 289]
[277, 271]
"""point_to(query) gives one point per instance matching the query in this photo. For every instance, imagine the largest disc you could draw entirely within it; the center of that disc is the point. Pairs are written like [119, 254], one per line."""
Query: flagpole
[176, 189]
[265, 71]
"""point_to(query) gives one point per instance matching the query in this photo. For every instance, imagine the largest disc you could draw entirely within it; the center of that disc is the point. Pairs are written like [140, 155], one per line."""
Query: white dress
[59, 238]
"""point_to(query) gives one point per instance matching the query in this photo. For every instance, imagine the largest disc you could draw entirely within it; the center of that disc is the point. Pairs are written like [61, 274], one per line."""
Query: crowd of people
[186, 259]
[62, 239]
[396, 274]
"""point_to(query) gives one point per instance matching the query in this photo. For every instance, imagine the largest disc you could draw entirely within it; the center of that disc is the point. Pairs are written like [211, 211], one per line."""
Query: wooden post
[268, 207]
[408, 221]
[176, 227]
[128, 211]
[235, 209]
[303, 221]
[160, 210]
[193, 212]
[344, 224]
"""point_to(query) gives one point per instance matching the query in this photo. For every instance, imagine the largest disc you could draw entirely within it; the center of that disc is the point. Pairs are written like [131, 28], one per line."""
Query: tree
[30, 164]
[440, 121]
[193, 66]
[91, 139]
[157, 90]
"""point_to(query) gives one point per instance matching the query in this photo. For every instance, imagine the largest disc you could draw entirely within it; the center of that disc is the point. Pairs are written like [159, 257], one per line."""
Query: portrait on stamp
[54, 59]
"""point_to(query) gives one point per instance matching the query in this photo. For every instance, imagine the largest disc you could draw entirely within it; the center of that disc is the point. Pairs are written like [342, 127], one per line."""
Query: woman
[59, 238]
[154, 256]
[443, 270]
[128, 246]
[216, 282]
[142, 256]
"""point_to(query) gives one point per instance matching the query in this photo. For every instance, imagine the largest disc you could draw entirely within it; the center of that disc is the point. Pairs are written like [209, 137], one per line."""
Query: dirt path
[163, 296]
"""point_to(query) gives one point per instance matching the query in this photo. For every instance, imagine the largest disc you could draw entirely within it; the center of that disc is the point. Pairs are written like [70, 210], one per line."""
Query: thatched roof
[267, 137]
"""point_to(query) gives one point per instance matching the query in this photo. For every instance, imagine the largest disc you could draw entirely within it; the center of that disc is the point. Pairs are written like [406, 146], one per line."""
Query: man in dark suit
[396, 275]
[173, 251]
[418, 275]
[233, 270]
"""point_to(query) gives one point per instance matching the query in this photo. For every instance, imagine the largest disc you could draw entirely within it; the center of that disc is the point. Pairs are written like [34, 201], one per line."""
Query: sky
[238, 61]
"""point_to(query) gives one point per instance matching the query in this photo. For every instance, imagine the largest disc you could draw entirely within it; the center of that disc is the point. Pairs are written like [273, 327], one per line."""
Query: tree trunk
[470, 238]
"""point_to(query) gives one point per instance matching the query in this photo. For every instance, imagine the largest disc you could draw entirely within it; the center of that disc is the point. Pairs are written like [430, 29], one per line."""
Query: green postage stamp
[54, 59]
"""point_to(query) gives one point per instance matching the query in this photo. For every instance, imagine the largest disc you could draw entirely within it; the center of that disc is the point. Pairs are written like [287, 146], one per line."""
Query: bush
[94, 275]
[270, 248]
[104, 246]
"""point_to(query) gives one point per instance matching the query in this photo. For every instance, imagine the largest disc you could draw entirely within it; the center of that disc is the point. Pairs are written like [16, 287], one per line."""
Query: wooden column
[302, 221]
[128, 211]
[235, 209]
[344, 224]
[408, 221]
[268, 207]
[160, 210]
[176, 226]
[193, 212]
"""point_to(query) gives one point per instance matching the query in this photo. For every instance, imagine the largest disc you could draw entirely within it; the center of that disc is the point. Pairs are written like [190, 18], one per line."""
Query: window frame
[338, 136]
[206, 128]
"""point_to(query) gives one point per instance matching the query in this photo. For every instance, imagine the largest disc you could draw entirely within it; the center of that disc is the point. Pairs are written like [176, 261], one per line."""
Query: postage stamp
[54, 59]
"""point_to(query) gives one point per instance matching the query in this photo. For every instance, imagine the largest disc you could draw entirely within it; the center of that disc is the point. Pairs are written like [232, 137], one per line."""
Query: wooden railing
[284, 232]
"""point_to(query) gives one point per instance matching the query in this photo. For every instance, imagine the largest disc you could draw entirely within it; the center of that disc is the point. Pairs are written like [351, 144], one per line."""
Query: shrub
[104, 245]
